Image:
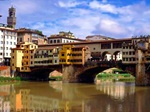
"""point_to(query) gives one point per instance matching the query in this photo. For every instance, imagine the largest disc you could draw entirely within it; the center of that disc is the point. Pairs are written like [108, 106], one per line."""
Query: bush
[7, 79]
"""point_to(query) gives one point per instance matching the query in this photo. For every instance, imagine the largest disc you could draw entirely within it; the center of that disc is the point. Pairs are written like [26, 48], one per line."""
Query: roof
[79, 46]
[89, 42]
[49, 48]
[3, 67]
[25, 30]
[7, 28]
[65, 38]
[17, 49]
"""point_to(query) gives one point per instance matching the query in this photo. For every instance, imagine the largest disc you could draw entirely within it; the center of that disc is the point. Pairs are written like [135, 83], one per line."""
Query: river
[55, 96]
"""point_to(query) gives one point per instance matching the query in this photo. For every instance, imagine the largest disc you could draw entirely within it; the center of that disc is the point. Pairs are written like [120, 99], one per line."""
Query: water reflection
[63, 97]
[117, 90]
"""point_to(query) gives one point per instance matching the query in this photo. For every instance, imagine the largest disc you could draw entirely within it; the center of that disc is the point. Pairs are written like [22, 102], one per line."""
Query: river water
[73, 97]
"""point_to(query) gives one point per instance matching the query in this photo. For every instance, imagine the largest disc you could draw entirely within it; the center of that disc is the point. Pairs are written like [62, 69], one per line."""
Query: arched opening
[106, 56]
[89, 75]
[41, 74]
[117, 56]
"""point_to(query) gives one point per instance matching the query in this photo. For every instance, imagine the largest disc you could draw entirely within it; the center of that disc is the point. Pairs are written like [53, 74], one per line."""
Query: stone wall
[5, 71]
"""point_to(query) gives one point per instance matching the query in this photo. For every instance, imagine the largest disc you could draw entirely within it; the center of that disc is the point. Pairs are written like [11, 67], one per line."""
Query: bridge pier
[142, 75]
[70, 72]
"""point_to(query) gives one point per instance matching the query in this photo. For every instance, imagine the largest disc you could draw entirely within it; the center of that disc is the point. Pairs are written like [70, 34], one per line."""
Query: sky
[111, 18]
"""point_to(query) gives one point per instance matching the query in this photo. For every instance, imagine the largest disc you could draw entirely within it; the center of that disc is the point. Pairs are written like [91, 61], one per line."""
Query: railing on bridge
[112, 63]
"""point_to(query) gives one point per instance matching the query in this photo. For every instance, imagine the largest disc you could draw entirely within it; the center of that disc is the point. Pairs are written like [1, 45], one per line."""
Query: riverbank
[9, 79]
[114, 74]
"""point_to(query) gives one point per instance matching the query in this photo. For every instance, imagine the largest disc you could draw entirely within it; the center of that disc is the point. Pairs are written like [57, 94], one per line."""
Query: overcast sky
[112, 18]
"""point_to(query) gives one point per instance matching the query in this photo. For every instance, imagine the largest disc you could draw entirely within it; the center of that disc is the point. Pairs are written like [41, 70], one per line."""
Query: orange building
[29, 35]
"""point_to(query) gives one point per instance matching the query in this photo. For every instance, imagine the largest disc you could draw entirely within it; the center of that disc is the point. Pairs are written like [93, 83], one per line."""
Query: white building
[8, 40]
[63, 37]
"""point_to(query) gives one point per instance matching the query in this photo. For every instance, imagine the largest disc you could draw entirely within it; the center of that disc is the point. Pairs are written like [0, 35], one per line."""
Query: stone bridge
[87, 73]
[78, 73]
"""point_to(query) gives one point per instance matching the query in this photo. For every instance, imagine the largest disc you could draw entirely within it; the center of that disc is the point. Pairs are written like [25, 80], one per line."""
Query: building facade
[22, 57]
[47, 56]
[70, 54]
[29, 35]
[63, 37]
[8, 40]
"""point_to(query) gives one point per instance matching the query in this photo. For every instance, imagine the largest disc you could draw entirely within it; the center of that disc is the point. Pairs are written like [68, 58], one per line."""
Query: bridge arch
[40, 73]
[88, 75]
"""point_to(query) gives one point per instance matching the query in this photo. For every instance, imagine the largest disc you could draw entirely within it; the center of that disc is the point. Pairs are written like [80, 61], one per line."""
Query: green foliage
[117, 70]
[115, 77]
[9, 79]
[17, 78]
[10, 26]
[39, 32]
[57, 78]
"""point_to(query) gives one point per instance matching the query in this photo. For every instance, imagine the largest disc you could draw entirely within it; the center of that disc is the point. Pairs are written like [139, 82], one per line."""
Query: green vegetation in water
[9, 79]
[116, 75]
[56, 78]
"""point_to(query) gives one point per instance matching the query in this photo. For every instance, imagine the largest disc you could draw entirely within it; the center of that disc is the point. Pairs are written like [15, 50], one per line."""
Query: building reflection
[118, 90]
[5, 91]
[113, 97]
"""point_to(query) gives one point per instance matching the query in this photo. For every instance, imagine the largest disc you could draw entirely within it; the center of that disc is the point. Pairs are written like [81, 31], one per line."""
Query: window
[58, 41]
[20, 39]
[55, 61]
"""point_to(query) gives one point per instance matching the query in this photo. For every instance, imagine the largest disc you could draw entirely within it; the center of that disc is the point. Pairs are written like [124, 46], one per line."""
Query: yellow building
[46, 56]
[22, 57]
[70, 54]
